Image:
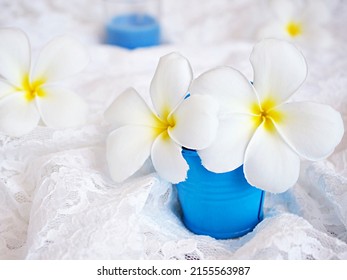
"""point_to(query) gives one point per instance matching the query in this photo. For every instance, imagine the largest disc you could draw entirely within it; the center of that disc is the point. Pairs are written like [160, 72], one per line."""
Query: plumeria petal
[14, 55]
[170, 83]
[195, 122]
[128, 147]
[233, 91]
[226, 153]
[285, 10]
[59, 59]
[279, 69]
[274, 30]
[168, 160]
[316, 13]
[17, 115]
[6, 89]
[60, 107]
[317, 37]
[130, 108]
[312, 130]
[270, 164]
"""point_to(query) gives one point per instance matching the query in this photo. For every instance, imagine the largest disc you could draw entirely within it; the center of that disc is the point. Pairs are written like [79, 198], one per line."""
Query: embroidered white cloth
[57, 200]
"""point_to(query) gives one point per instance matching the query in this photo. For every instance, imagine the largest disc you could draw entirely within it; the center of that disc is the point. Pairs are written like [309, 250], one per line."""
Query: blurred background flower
[301, 21]
[29, 92]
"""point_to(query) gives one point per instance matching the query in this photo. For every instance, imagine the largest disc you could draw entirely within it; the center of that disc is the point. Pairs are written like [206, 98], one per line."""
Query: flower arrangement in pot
[220, 139]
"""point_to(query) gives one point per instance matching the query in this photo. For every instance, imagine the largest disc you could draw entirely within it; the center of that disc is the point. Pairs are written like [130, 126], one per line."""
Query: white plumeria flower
[28, 94]
[258, 128]
[175, 122]
[300, 21]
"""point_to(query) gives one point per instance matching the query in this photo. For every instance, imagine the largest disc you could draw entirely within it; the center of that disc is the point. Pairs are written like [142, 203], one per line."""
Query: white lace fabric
[57, 200]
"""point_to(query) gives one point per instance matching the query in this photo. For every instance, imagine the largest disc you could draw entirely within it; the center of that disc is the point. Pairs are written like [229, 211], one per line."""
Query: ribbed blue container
[133, 31]
[220, 205]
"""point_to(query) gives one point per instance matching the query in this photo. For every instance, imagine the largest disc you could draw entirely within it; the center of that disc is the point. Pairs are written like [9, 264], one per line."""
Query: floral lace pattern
[57, 200]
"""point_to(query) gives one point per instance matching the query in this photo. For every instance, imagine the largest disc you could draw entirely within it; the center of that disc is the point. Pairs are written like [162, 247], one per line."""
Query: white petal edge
[130, 108]
[6, 89]
[17, 116]
[167, 159]
[170, 83]
[231, 88]
[14, 55]
[196, 122]
[270, 164]
[312, 130]
[59, 59]
[279, 69]
[227, 152]
[128, 147]
[61, 108]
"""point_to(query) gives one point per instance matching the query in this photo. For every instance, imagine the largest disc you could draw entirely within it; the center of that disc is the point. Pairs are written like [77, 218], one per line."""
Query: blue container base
[220, 205]
[217, 234]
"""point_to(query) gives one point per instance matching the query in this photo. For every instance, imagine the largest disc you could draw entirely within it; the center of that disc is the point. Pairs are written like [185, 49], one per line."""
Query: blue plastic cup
[133, 31]
[221, 205]
[132, 24]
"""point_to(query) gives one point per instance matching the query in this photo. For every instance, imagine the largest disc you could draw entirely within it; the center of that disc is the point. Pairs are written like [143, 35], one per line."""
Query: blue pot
[133, 31]
[221, 205]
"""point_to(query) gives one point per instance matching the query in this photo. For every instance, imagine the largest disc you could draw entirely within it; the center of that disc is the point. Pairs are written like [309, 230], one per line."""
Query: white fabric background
[57, 200]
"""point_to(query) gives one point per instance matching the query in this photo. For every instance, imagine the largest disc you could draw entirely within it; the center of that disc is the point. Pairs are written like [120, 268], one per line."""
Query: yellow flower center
[164, 124]
[266, 113]
[294, 28]
[32, 89]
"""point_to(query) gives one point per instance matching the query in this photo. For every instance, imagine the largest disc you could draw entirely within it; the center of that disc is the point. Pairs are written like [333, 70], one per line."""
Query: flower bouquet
[221, 139]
